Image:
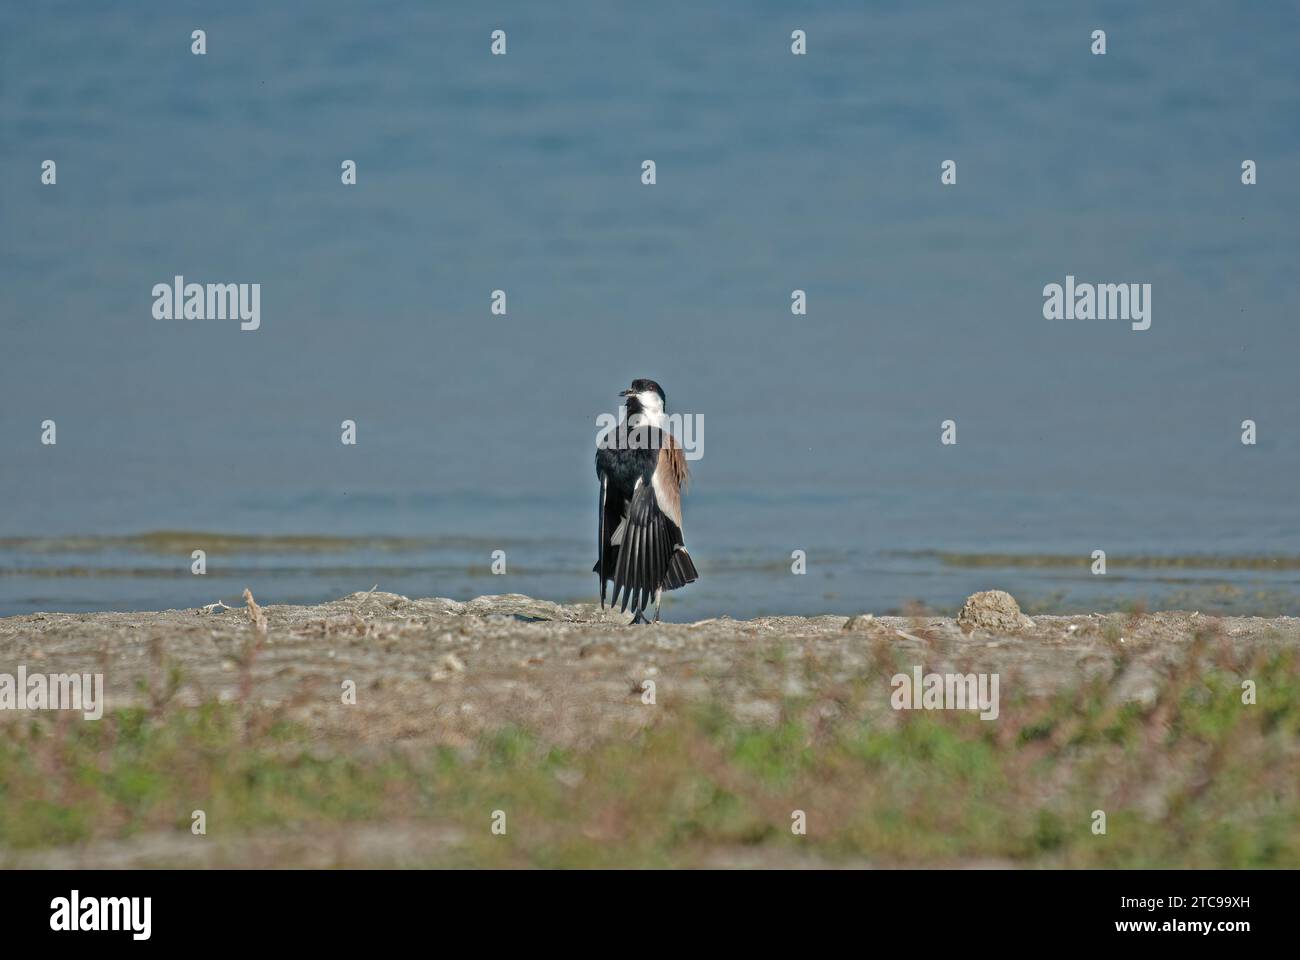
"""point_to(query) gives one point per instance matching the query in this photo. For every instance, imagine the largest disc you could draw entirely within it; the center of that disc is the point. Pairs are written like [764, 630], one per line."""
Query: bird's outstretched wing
[610, 507]
[643, 552]
[600, 536]
[651, 556]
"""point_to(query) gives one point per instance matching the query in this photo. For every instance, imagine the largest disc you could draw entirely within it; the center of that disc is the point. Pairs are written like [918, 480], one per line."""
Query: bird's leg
[637, 619]
[659, 595]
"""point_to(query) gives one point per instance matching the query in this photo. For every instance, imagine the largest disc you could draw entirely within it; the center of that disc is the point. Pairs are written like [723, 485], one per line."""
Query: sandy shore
[444, 670]
[439, 673]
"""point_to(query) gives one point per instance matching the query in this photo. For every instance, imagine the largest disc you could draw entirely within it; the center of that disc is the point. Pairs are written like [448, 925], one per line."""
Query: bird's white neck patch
[652, 410]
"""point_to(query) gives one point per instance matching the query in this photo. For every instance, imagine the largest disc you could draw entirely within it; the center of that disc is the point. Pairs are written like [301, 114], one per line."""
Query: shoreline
[417, 646]
[142, 571]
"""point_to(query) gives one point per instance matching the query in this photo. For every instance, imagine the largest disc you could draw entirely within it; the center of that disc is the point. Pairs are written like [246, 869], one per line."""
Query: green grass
[1193, 779]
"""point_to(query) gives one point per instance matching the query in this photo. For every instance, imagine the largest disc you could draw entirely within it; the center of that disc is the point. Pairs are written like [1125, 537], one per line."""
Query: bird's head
[645, 397]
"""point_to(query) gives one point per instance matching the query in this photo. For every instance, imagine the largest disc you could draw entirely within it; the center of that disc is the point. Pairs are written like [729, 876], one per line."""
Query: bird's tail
[681, 570]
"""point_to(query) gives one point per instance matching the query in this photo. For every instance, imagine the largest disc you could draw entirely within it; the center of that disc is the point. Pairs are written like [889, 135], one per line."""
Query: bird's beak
[625, 393]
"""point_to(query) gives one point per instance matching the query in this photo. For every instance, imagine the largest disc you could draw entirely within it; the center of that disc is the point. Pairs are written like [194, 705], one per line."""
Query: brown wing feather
[670, 478]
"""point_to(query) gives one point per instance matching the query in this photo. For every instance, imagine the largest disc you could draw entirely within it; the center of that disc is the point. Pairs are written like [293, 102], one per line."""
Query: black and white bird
[642, 473]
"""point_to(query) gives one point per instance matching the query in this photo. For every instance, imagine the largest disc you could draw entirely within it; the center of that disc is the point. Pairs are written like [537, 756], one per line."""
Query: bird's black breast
[623, 467]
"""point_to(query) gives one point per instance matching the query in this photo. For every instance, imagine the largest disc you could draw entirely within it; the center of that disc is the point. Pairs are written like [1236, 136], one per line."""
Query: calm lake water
[774, 173]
